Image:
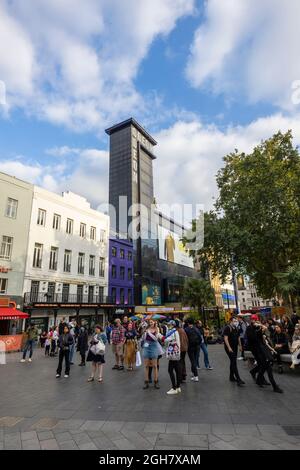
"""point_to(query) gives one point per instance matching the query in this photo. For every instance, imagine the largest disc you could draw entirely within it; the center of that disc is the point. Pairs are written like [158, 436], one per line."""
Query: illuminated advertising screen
[151, 294]
[172, 249]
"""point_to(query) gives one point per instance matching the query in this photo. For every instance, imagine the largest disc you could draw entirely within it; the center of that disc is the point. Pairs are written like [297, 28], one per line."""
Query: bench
[285, 358]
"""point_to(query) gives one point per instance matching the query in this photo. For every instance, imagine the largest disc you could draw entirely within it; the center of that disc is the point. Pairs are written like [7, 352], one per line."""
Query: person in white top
[172, 341]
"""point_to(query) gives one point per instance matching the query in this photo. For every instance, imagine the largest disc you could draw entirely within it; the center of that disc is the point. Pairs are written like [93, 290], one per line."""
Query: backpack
[194, 338]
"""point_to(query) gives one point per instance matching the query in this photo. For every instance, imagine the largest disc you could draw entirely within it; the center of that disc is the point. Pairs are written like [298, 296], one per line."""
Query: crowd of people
[147, 341]
[267, 339]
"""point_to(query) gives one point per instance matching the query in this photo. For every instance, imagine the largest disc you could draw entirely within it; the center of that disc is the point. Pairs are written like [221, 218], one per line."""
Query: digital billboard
[172, 249]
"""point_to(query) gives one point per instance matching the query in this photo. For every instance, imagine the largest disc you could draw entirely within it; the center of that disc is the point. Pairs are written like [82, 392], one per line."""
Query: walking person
[231, 344]
[117, 340]
[130, 346]
[267, 366]
[194, 339]
[184, 345]
[54, 335]
[108, 331]
[242, 329]
[151, 351]
[43, 338]
[203, 347]
[172, 340]
[31, 338]
[65, 340]
[72, 327]
[47, 345]
[254, 344]
[96, 353]
[82, 344]
[61, 326]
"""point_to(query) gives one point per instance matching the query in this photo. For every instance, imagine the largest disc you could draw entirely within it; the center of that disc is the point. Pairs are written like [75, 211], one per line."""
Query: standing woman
[96, 353]
[82, 344]
[130, 346]
[295, 348]
[172, 341]
[151, 351]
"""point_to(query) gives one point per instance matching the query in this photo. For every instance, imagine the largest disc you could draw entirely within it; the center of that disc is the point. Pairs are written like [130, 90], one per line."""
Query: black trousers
[182, 368]
[193, 354]
[281, 351]
[63, 355]
[234, 373]
[266, 366]
[82, 354]
[174, 374]
[259, 360]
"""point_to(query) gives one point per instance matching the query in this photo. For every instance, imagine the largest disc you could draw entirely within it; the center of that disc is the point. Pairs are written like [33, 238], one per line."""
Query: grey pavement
[38, 411]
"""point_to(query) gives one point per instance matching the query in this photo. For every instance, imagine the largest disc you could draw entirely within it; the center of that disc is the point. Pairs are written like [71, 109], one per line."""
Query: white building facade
[67, 264]
[248, 296]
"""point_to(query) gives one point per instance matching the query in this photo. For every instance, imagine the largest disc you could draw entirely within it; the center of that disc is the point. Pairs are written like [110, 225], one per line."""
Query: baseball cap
[254, 317]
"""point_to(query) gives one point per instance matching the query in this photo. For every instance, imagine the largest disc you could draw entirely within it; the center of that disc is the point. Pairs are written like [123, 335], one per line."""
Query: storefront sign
[12, 342]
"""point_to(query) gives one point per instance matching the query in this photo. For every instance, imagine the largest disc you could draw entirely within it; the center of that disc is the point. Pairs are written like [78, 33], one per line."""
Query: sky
[203, 77]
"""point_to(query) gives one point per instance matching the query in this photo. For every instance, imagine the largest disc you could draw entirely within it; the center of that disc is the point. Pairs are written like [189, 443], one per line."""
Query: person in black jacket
[194, 338]
[232, 342]
[280, 341]
[82, 344]
[65, 341]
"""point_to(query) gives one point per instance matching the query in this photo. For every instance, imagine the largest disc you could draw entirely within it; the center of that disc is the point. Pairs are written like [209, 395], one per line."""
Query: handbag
[138, 361]
[173, 351]
[98, 348]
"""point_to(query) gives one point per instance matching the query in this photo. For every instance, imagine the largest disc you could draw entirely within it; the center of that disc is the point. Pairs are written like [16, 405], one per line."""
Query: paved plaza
[37, 411]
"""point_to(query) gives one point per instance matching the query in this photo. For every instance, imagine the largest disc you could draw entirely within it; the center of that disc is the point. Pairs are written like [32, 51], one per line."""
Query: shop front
[11, 323]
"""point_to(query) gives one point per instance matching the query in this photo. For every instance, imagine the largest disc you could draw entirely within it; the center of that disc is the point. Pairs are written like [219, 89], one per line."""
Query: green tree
[198, 293]
[289, 284]
[255, 225]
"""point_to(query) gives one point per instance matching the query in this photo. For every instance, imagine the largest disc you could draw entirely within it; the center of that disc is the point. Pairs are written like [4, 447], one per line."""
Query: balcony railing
[31, 298]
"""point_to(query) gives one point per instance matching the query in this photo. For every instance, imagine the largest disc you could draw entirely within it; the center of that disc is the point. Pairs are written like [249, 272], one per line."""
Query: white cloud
[189, 155]
[249, 47]
[77, 59]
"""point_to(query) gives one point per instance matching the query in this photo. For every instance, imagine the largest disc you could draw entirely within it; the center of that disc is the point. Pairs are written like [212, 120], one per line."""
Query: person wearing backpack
[172, 341]
[194, 338]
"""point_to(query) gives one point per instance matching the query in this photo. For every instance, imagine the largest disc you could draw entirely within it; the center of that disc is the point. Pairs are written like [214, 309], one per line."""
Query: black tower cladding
[130, 184]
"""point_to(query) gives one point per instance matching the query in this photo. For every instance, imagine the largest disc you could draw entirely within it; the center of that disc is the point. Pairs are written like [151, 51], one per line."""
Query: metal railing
[64, 298]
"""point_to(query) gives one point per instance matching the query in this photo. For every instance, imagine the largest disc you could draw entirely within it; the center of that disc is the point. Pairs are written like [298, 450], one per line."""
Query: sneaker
[209, 368]
[172, 392]
[178, 390]
[91, 379]
[195, 379]
[115, 367]
[66, 376]
[121, 368]
[240, 358]
[57, 376]
[29, 360]
[22, 360]
[277, 389]
[199, 368]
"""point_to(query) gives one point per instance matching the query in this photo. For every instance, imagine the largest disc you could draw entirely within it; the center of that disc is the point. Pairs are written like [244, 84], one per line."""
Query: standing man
[231, 343]
[61, 326]
[72, 327]
[254, 342]
[242, 330]
[82, 343]
[118, 340]
[32, 336]
[194, 339]
[203, 347]
[65, 341]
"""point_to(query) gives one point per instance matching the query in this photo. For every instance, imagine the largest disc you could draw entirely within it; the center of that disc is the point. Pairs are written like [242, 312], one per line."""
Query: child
[47, 345]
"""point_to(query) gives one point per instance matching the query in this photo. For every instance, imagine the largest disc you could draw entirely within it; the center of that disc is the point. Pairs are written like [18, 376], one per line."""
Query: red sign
[12, 343]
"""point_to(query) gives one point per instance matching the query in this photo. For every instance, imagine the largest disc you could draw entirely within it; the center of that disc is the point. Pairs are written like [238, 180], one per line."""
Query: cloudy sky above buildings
[204, 77]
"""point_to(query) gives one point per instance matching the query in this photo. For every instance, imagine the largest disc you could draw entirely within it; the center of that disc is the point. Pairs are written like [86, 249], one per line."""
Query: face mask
[235, 324]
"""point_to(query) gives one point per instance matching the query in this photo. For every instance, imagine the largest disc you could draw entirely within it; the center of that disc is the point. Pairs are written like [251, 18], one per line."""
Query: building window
[3, 286]
[122, 296]
[6, 247]
[129, 296]
[81, 263]
[11, 208]
[65, 293]
[56, 222]
[67, 261]
[129, 274]
[101, 267]
[113, 295]
[114, 251]
[122, 254]
[69, 226]
[122, 273]
[41, 219]
[92, 266]
[114, 271]
[53, 258]
[82, 231]
[102, 236]
[129, 255]
[37, 255]
[93, 233]
[101, 293]
[34, 291]
[79, 293]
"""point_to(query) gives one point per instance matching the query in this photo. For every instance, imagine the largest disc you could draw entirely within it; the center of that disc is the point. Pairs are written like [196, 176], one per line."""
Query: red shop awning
[9, 313]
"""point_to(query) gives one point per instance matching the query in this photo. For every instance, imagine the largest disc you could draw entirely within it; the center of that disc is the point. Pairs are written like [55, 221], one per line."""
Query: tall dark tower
[131, 175]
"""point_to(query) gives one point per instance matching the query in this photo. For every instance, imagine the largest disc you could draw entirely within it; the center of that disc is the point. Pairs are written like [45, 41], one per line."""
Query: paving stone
[111, 426]
[87, 446]
[155, 427]
[104, 444]
[150, 436]
[28, 435]
[69, 424]
[195, 440]
[134, 426]
[45, 423]
[223, 429]
[31, 444]
[137, 440]
[81, 438]
[246, 429]
[63, 436]
[10, 421]
[92, 425]
[177, 428]
[199, 428]
[124, 444]
[49, 444]
[68, 445]
[44, 435]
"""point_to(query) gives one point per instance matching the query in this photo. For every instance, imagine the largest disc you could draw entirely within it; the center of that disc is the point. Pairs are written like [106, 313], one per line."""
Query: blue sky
[204, 77]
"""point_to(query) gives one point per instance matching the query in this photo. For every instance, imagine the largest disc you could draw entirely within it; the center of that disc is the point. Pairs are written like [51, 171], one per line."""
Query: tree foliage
[198, 293]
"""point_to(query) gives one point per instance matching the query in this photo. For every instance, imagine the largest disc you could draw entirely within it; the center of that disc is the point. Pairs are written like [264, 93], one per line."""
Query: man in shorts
[117, 341]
